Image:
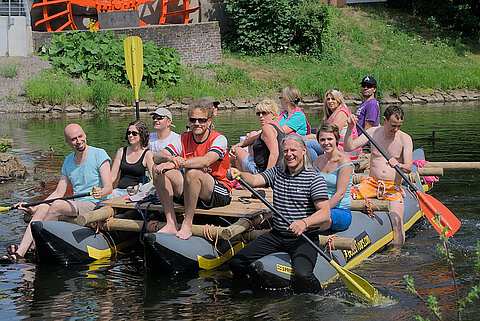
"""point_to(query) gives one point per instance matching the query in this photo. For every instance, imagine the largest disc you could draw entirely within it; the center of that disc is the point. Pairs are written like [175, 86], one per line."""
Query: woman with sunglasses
[265, 146]
[337, 170]
[130, 162]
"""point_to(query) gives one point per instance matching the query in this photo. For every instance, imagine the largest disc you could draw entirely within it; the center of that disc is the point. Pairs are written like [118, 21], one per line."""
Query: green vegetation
[5, 144]
[55, 88]
[8, 71]
[100, 55]
[402, 52]
[471, 294]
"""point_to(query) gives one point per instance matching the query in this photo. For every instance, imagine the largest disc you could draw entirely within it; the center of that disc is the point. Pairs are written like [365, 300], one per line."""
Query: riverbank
[411, 60]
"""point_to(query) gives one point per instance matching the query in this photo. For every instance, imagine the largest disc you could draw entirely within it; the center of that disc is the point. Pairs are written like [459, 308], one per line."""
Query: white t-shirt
[156, 145]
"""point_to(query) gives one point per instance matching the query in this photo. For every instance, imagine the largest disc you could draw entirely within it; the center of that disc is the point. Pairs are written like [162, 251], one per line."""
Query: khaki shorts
[81, 207]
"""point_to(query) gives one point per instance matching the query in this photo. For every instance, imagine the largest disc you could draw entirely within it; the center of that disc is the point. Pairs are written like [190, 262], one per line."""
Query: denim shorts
[341, 219]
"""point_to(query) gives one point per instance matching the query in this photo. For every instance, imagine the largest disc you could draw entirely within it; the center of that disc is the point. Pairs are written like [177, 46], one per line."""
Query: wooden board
[245, 207]
[242, 205]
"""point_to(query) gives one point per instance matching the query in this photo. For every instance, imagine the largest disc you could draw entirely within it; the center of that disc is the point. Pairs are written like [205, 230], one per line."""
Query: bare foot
[184, 233]
[169, 229]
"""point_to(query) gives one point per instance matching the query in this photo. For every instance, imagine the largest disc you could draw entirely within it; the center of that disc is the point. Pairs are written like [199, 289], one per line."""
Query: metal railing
[12, 8]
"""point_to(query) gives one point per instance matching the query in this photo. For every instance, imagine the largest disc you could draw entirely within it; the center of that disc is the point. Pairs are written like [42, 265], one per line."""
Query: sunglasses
[368, 86]
[262, 113]
[155, 118]
[200, 120]
[132, 133]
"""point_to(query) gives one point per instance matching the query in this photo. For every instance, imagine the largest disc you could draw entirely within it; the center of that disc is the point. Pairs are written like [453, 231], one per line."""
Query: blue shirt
[331, 180]
[86, 175]
[297, 122]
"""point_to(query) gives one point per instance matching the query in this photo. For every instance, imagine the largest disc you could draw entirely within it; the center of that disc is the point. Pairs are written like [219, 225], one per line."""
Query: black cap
[369, 80]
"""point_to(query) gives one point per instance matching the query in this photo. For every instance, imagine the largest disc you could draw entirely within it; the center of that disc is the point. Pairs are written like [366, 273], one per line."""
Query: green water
[123, 291]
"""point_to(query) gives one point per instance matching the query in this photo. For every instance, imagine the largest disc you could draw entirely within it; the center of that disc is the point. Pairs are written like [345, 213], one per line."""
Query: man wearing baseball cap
[163, 135]
[368, 113]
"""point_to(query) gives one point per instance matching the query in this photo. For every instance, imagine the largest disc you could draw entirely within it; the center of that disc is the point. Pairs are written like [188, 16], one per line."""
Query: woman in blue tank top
[337, 169]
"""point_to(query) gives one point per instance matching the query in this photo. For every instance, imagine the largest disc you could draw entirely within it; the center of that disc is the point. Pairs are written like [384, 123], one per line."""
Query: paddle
[354, 283]
[441, 218]
[8, 208]
[134, 65]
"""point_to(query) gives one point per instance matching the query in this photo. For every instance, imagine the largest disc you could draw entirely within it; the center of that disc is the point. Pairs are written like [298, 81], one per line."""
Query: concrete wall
[197, 43]
[16, 39]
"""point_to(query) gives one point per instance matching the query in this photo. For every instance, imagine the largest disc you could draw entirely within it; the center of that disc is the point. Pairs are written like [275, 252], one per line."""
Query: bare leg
[39, 214]
[396, 216]
[167, 185]
[198, 184]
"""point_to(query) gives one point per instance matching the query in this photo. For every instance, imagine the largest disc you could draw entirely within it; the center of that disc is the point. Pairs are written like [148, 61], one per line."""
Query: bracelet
[306, 225]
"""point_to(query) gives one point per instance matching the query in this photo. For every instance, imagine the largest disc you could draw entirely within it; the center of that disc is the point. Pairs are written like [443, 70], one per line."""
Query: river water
[121, 290]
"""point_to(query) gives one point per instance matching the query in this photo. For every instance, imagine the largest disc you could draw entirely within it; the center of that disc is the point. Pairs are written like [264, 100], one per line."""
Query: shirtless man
[384, 182]
[193, 172]
[85, 169]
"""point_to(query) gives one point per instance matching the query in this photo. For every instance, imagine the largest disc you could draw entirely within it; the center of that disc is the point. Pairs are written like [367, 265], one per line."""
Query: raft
[67, 243]
[370, 232]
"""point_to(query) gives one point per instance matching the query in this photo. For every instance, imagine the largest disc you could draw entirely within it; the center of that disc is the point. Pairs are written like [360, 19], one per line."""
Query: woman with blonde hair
[265, 146]
[336, 112]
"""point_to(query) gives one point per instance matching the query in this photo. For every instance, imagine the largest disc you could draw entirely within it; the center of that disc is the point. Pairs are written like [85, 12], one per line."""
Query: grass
[9, 71]
[405, 55]
[55, 88]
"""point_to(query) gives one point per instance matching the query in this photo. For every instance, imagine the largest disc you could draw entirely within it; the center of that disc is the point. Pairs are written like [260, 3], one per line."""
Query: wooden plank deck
[242, 205]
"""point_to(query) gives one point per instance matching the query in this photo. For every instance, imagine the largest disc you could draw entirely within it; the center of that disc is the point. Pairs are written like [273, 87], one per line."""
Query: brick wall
[197, 43]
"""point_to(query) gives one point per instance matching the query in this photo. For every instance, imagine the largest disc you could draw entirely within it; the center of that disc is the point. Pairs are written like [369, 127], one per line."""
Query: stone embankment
[13, 100]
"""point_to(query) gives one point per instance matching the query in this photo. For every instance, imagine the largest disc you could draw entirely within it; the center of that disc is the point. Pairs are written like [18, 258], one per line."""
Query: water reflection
[123, 291]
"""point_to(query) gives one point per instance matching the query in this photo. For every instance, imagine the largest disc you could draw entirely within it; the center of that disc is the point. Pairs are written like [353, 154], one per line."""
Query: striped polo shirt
[294, 196]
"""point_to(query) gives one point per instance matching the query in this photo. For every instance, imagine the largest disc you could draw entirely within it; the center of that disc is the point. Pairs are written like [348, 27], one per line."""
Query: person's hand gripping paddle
[8, 208]
[359, 286]
[441, 218]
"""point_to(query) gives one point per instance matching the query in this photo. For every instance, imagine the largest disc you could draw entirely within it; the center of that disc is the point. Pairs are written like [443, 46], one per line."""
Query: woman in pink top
[336, 112]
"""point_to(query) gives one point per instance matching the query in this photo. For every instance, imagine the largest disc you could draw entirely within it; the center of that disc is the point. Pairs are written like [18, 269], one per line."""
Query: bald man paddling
[86, 169]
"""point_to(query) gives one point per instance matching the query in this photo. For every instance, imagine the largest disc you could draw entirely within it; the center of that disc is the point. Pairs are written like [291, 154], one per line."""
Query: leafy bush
[312, 24]
[460, 17]
[100, 55]
[268, 26]
[260, 26]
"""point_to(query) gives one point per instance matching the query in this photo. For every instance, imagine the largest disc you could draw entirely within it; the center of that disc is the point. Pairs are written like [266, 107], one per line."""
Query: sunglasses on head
[158, 118]
[200, 120]
[262, 113]
[133, 133]
[368, 85]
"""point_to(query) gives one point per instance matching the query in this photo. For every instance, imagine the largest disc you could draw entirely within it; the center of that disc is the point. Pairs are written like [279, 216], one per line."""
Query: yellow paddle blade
[133, 49]
[5, 208]
[359, 286]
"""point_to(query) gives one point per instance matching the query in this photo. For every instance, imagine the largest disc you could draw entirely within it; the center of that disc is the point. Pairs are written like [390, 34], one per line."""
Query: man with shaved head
[86, 169]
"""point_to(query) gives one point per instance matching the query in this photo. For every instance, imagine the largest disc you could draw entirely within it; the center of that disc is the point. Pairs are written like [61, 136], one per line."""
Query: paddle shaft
[274, 210]
[387, 157]
[55, 199]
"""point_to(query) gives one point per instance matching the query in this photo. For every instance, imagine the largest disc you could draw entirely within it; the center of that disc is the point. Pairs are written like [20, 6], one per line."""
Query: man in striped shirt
[300, 194]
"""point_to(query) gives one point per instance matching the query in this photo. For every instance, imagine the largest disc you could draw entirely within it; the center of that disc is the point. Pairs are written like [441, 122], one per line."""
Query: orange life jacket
[191, 149]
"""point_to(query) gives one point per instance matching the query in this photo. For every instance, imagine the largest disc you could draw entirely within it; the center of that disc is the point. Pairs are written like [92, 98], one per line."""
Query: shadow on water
[122, 290]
